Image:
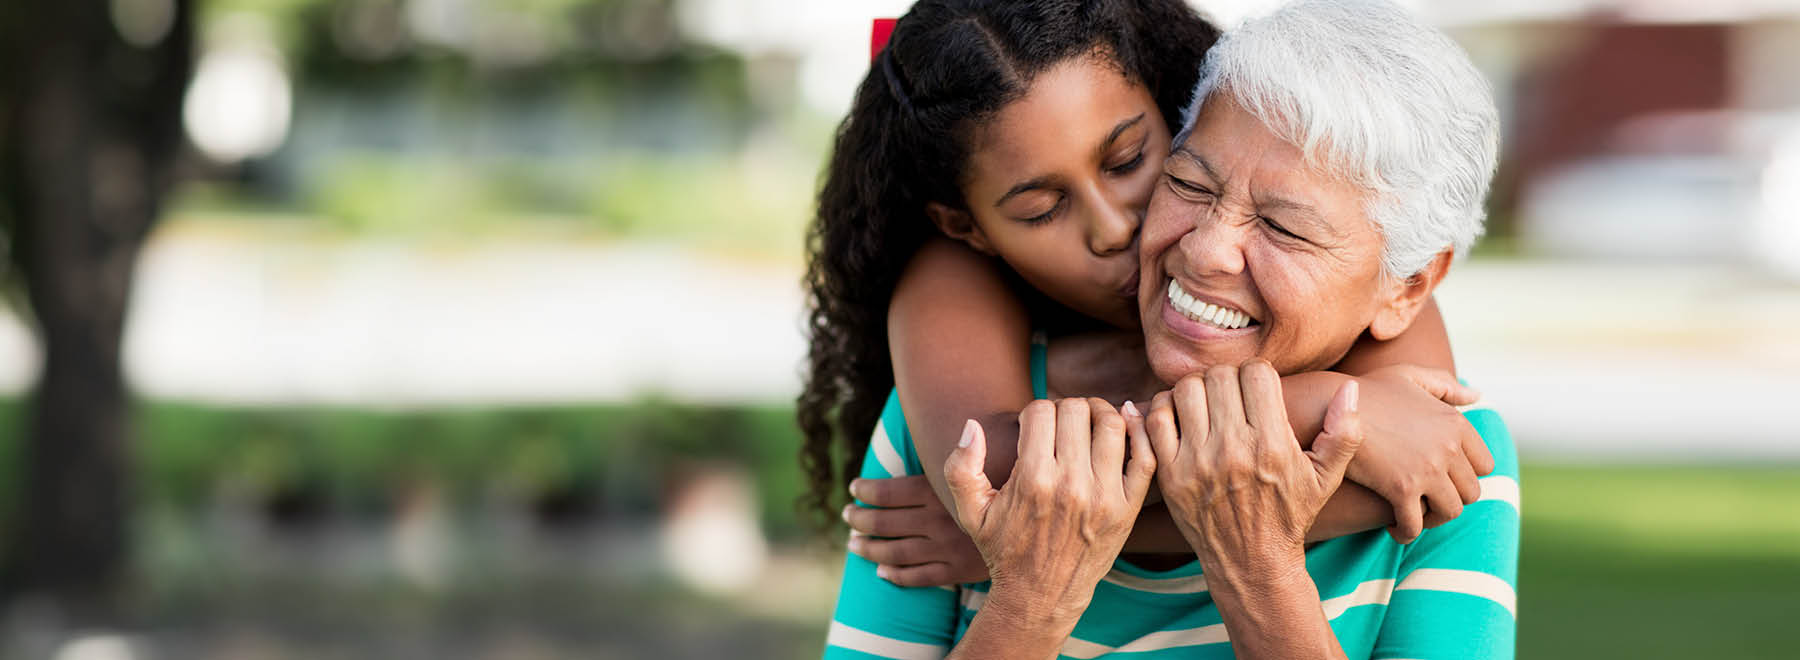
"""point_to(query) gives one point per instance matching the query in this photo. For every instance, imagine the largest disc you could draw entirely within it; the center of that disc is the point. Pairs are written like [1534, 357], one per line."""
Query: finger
[1444, 386]
[970, 490]
[1224, 398]
[894, 493]
[1342, 437]
[1142, 467]
[1443, 504]
[1073, 433]
[1037, 437]
[1468, 488]
[1481, 460]
[1160, 426]
[1189, 399]
[1409, 520]
[890, 523]
[934, 574]
[1108, 450]
[896, 552]
[1263, 405]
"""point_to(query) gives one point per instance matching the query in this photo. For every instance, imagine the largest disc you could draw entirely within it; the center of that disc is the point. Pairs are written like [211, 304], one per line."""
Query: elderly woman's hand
[1238, 485]
[1053, 530]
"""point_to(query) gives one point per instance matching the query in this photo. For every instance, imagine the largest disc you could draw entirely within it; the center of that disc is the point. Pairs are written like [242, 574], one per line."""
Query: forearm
[1015, 625]
[1352, 509]
[1271, 609]
[1425, 343]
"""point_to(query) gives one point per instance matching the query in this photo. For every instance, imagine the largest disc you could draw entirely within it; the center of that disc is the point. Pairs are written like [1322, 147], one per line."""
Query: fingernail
[855, 543]
[847, 512]
[853, 483]
[1131, 409]
[968, 435]
[883, 573]
[1352, 393]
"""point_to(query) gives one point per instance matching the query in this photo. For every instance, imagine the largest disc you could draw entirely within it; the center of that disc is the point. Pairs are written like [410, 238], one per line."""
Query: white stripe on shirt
[843, 636]
[885, 453]
[1472, 583]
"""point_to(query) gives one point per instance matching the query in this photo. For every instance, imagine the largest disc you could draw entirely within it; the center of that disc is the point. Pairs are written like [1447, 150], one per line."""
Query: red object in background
[879, 32]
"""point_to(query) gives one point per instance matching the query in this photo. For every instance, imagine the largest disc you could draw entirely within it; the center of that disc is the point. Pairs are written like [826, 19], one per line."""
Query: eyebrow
[1035, 183]
[1120, 130]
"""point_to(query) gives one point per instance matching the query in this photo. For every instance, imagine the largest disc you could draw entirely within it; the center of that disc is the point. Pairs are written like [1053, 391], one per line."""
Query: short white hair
[1370, 94]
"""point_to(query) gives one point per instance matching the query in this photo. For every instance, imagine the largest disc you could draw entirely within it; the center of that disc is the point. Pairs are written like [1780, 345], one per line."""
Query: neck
[1110, 364]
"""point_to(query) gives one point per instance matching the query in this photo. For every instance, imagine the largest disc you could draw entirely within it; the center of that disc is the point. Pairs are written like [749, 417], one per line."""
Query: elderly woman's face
[1249, 253]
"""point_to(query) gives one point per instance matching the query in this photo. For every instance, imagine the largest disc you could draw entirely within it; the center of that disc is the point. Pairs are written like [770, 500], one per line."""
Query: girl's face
[1058, 182]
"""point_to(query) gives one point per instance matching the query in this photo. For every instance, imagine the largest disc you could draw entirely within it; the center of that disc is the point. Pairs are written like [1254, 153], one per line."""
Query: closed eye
[1045, 216]
[1189, 187]
[1128, 166]
[1280, 229]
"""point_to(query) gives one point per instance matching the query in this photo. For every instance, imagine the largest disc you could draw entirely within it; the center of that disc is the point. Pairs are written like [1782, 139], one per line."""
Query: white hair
[1372, 95]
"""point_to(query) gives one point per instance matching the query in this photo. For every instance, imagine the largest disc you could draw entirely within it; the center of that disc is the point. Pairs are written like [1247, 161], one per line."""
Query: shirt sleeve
[875, 618]
[1456, 593]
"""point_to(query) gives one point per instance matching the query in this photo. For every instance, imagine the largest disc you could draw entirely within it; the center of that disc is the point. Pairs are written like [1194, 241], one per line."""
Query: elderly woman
[1334, 162]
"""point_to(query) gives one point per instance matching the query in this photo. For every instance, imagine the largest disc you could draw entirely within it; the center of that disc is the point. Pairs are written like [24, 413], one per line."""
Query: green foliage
[618, 458]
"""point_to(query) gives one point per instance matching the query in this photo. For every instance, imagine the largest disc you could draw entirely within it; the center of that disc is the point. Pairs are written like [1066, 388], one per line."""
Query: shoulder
[941, 262]
[1488, 422]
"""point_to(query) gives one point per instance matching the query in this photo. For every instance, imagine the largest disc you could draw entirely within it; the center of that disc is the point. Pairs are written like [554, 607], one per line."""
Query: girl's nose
[1113, 230]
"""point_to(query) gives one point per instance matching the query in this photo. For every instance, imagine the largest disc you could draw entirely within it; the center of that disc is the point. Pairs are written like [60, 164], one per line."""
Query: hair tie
[893, 83]
[880, 31]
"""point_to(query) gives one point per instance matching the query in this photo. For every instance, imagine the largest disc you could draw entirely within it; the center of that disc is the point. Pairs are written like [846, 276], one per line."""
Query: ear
[1408, 297]
[959, 226]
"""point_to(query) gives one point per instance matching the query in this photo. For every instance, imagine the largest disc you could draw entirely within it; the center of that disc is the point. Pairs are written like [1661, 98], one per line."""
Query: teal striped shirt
[1449, 594]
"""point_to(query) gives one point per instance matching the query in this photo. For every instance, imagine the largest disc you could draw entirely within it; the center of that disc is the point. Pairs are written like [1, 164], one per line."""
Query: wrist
[1029, 609]
[1254, 571]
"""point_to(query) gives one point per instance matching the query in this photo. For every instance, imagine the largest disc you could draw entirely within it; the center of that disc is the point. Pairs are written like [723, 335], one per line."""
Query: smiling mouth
[1204, 312]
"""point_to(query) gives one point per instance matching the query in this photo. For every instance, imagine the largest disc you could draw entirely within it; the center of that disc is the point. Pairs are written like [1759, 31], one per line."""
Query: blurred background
[470, 328]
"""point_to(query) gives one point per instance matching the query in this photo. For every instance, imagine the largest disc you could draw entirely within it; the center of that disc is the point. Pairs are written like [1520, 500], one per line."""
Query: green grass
[1631, 561]
[1659, 562]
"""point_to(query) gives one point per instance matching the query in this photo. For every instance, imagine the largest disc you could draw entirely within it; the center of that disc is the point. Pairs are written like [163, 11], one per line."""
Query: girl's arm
[959, 338]
[960, 341]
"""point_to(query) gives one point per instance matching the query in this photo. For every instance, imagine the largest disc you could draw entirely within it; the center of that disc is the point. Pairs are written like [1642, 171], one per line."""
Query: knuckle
[1038, 408]
[1190, 386]
[1073, 406]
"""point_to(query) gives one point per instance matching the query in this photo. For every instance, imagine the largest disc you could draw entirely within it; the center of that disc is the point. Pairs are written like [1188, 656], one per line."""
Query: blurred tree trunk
[90, 127]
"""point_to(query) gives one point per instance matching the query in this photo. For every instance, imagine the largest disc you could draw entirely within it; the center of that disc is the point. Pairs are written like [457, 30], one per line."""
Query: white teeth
[1229, 319]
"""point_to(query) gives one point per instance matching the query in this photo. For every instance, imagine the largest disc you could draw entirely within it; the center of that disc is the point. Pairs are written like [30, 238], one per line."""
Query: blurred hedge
[603, 460]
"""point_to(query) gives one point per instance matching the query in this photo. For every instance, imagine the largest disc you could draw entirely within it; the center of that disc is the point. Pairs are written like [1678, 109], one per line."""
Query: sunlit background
[470, 328]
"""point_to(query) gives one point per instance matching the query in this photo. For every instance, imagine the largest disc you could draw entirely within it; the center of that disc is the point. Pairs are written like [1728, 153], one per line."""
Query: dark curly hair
[949, 66]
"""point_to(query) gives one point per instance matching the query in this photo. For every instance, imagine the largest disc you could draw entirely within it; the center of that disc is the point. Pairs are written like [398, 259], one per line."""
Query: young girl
[989, 181]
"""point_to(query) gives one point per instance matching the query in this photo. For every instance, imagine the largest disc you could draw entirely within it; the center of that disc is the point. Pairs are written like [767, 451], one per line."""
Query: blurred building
[1645, 129]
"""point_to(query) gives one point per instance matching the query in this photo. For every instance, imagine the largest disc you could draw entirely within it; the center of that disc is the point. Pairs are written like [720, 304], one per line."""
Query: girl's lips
[1130, 290]
[1180, 324]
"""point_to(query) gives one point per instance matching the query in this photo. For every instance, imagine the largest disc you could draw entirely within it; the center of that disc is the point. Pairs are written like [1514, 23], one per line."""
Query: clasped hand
[1240, 488]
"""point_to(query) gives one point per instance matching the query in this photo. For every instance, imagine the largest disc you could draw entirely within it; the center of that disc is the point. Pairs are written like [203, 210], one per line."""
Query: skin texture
[951, 290]
[1050, 533]
[1243, 493]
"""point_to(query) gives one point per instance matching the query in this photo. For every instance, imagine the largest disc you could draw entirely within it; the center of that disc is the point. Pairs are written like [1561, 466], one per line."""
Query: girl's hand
[913, 539]
[1422, 455]
[1054, 529]
[1236, 482]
